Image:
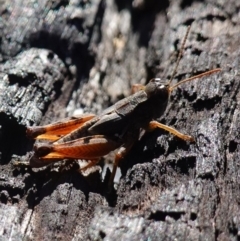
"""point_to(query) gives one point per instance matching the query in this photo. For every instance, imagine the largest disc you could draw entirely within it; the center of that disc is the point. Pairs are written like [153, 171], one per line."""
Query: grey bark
[57, 57]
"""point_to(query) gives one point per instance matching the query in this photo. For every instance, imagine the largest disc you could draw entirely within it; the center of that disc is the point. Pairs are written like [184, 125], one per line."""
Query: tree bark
[59, 58]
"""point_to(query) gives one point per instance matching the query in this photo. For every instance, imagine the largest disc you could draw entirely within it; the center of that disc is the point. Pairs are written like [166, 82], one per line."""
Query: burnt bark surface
[59, 56]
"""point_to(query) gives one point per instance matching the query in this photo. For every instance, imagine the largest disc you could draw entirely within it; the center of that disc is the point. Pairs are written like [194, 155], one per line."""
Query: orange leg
[53, 132]
[130, 138]
[154, 124]
[119, 156]
[137, 87]
[89, 148]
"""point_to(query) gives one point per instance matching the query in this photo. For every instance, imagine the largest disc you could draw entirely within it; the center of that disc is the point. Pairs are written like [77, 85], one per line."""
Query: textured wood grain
[57, 57]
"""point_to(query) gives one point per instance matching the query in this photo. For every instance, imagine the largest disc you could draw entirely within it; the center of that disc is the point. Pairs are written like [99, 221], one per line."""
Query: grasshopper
[91, 137]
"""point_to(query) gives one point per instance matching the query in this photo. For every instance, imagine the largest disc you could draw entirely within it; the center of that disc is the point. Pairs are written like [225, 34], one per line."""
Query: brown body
[117, 125]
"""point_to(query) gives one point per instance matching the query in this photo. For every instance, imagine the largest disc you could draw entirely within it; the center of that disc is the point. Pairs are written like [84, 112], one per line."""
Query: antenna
[179, 55]
[194, 77]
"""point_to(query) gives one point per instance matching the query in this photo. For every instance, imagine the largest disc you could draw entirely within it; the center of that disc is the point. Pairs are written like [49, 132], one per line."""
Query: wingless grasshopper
[91, 137]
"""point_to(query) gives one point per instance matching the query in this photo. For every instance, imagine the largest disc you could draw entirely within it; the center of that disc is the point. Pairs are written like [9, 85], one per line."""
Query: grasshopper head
[157, 92]
[157, 88]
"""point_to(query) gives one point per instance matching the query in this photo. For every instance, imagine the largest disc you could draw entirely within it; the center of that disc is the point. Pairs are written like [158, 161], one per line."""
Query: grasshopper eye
[159, 83]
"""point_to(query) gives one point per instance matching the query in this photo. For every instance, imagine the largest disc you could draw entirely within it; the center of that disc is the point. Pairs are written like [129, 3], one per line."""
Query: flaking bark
[56, 58]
